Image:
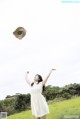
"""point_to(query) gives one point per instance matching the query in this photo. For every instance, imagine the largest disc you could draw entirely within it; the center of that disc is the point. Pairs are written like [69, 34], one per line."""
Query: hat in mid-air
[19, 33]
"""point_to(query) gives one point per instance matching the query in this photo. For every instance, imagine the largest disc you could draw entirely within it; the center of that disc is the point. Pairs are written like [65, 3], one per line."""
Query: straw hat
[19, 33]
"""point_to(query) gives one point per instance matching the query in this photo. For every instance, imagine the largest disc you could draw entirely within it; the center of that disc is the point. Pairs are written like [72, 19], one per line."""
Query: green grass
[58, 110]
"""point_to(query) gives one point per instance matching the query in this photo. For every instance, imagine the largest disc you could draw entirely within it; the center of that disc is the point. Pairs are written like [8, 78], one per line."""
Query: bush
[66, 95]
[22, 102]
[7, 105]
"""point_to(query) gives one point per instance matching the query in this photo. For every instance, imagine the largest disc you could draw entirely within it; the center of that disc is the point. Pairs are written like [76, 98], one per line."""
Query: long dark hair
[40, 80]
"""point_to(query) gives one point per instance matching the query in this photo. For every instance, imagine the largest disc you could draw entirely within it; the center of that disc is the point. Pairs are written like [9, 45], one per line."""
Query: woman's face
[36, 78]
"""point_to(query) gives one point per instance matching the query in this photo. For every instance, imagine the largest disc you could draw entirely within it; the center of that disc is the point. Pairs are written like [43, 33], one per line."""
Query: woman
[39, 104]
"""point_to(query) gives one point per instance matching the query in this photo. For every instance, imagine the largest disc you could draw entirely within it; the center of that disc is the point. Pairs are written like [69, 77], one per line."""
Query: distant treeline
[20, 102]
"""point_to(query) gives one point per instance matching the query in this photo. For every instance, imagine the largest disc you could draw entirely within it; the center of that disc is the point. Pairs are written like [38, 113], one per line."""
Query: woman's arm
[45, 80]
[26, 78]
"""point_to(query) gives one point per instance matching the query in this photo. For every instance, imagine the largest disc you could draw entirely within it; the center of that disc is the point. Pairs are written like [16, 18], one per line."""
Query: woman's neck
[36, 82]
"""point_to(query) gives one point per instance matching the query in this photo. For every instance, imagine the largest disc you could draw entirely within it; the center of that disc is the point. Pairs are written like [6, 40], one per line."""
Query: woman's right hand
[27, 72]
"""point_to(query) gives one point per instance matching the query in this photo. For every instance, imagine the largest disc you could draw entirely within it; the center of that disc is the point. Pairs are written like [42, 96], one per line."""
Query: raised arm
[45, 80]
[26, 78]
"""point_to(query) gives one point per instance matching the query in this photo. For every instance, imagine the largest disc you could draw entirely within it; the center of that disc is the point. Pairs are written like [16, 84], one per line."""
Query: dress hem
[42, 114]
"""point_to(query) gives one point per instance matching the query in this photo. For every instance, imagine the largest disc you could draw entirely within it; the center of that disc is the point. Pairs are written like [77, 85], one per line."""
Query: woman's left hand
[52, 70]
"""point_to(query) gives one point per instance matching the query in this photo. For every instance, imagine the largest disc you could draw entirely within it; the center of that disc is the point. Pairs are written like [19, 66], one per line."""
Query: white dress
[39, 105]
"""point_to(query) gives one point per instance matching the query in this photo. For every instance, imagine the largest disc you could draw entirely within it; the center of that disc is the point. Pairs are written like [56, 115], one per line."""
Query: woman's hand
[27, 72]
[52, 70]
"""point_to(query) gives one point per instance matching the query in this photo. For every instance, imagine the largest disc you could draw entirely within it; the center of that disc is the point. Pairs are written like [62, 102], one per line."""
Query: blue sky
[52, 41]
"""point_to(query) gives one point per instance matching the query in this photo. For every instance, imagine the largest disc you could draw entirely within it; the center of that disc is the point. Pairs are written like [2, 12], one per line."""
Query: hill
[67, 109]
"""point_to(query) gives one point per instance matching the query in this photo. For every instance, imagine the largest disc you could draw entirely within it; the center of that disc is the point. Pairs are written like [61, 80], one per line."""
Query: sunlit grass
[57, 110]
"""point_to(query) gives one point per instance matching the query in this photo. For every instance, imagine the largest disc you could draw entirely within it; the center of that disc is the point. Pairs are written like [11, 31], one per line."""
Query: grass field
[67, 109]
